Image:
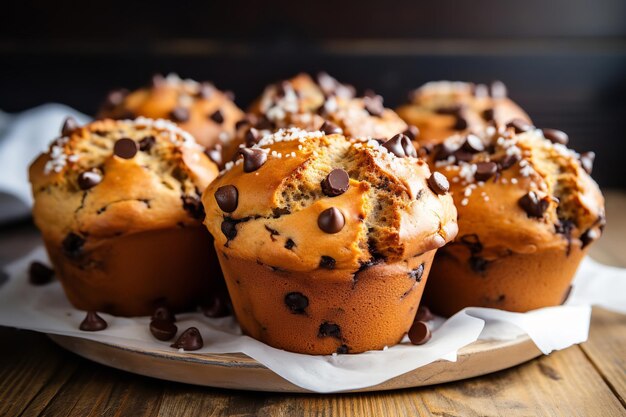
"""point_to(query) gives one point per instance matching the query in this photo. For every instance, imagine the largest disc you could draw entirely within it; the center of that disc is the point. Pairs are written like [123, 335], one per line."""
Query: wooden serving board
[238, 371]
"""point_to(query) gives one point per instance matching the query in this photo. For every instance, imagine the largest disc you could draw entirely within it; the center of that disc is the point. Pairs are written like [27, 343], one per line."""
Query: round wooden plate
[238, 371]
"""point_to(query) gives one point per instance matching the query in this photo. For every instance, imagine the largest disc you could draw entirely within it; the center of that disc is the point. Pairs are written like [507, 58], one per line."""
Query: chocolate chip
[443, 150]
[217, 117]
[217, 306]
[586, 161]
[69, 125]
[253, 136]
[423, 314]
[331, 220]
[463, 156]
[264, 123]
[555, 136]
[472, 242]
[343, 349]
[227, 198]
[147, 143]
[451, 111]
[73, 245]
[229, 228]
[485, 170]
[40, 274]
[438, 183]
[296, 302]
[374, 105]
[489, 114]
[253, 158]
[215, 154]
[478, 264]
[508, 161]
[329, 330]
[401, 146]
[115, 98]
[473, 144]
[88, 179]
[190, 339]
[179, 114]
[327, 262]
[241, 123]
[412, 132]
[93, 322]
[330, 128]
[417, 273]
[163, 313]
[163, 329]
[193, 206]
[125, 148]
[419, 333]
[533, 204]
[335, 183]
[588, 236]
[519, 125]
[460, 123]
[289, 244]
[498, 90]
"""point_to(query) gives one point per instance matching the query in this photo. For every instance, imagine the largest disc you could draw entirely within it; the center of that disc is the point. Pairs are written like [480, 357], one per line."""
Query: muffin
[443, 108]
[307, 104]
[118, 205]
[528, 211]
[201, 109]
[326, 243]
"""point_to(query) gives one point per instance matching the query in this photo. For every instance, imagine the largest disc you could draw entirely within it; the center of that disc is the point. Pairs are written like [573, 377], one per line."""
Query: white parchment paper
[45, 309]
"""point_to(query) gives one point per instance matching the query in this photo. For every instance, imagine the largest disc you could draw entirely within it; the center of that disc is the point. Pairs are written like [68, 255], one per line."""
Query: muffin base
[346, 312]
[518, 282]
[131, 275]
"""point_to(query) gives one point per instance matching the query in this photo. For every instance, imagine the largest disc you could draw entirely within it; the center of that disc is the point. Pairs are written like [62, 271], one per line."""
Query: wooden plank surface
[38, 378]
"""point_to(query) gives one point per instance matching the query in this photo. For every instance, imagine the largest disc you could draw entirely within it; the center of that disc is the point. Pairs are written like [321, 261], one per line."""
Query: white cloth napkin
[46, 309]
[22, 137]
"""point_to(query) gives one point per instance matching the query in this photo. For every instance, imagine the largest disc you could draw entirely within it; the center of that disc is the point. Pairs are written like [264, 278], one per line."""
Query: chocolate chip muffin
[528, 211]
[201, 109]
[444, 108]
[118, 205]
[307, 104]
[326, 243]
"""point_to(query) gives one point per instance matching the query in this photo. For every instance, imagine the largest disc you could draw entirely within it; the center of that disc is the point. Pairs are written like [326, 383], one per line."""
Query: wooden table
[39, 378]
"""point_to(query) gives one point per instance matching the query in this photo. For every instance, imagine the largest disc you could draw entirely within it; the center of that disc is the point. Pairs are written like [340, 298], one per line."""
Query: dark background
[564, 61]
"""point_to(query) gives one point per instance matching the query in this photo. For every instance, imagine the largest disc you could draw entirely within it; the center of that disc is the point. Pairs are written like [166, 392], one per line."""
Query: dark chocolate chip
[253, 136]
[473, 144]
[229, 228]
[472, 242]
[217, 306]
[296, 302]
[190, 339]
[519, 125]
[401, 146]
[438, 183]
[163, 329]
[227, 198]
[330, 128]
[69, 125]
[343, 349]
[217, 117]
[460, 123]
[147, 143]
[586, 161]
[193, 206]
[89, 179]
[327, 262]
[40, 274]
[331, 220]
[417, 273]
[419, 333]
[412, 132]
[125, 148]
[478, 264]
[443, 151]
[179, 114]
[264, 123]
[253, 158]
[329, 330]
[533, 205]
[588, 236]
[163, 313]
[241, 123]
[115, 98]
[335, 183]
[273, 232]
[450, 111]
[93, 322]
[489, 114]
[555, 136]
[485, 170]
[289, 244]
[498, 90]
[374, 105]
[73, 245]
[508, 161]
[423, 314]
[463, 156]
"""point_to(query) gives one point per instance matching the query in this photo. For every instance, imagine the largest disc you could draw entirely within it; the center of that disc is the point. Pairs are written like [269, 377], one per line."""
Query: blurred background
[564, 61]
